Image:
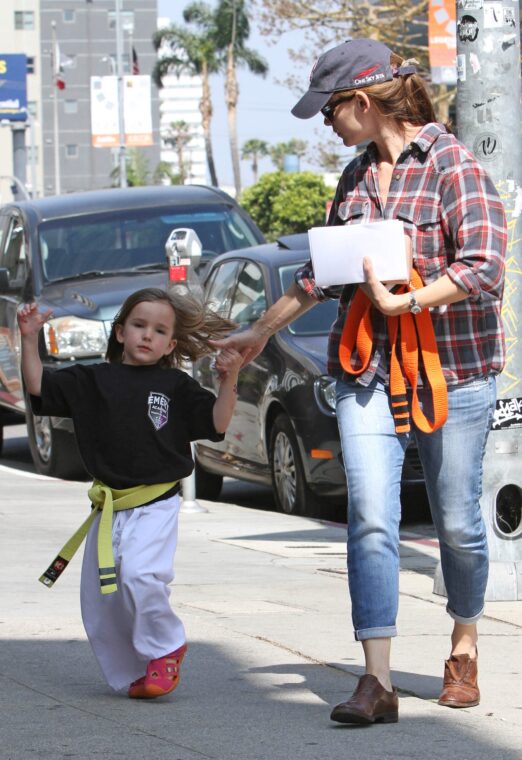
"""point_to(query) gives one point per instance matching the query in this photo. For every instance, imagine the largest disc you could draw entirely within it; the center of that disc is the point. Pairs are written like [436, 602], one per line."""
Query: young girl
[134, 418]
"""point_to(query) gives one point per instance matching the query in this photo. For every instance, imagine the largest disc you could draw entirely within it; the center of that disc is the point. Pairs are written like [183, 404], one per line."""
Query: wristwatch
[414, 306]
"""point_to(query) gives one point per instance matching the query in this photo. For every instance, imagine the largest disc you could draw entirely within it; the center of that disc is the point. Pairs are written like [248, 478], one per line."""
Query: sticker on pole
[508, 414]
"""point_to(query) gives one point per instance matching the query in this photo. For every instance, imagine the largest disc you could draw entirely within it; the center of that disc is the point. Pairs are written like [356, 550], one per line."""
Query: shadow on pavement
[54, 705]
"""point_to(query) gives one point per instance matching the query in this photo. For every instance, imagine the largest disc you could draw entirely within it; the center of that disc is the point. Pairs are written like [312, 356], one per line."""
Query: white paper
[338, 252]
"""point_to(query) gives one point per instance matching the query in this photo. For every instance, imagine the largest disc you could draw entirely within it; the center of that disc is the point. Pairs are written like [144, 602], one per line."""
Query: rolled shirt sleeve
[474, 216]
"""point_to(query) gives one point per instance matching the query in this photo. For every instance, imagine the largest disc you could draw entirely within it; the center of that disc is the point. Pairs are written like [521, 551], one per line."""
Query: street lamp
[121, 116]
[32, 142]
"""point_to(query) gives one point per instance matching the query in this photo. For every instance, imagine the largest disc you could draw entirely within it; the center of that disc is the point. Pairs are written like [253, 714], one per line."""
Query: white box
[337, 252]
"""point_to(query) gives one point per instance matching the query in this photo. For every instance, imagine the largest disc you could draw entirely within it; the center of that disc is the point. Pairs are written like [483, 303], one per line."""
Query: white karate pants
[135, 624]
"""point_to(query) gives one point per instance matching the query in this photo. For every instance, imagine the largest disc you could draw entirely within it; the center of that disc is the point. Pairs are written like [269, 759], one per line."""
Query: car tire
[291, 492]
[208, 484]
[1, 439]
[54, 452]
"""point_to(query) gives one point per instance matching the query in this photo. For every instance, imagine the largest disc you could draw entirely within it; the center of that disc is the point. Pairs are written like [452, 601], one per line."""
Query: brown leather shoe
[460, 682]
[370, 703]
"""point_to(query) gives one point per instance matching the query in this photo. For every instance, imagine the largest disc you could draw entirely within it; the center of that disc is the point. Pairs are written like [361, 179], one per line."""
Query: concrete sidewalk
[264, 600]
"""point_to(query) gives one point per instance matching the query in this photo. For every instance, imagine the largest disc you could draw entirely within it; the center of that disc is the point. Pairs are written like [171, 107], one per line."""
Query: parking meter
[183, 249]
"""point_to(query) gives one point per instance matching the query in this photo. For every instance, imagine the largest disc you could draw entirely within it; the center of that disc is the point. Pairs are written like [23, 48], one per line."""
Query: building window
[30, 64]
[70, 106]
[71, 151]
[127, 20]
[69, 16]
[24, 19]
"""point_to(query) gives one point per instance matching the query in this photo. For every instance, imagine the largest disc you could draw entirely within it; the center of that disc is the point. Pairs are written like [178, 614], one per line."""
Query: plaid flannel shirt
[455, 219]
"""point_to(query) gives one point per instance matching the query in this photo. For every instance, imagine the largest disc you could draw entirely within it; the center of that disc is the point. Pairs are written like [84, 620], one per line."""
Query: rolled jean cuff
[463, 620]
[387, 632]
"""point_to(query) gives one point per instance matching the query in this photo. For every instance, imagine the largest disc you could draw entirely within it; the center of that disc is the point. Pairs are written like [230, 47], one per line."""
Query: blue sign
[13, 87]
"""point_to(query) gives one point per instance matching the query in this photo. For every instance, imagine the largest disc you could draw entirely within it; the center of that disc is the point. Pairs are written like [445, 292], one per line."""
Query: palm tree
[179, 136]
[293, 147]
[193, 53]
[232, 32]
[254, 149]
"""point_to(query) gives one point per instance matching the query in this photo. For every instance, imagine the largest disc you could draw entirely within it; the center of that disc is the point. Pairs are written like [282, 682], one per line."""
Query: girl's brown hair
[194, 325]
[405, 98]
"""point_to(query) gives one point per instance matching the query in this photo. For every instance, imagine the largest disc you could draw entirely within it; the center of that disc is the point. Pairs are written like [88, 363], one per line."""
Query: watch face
[414, 306]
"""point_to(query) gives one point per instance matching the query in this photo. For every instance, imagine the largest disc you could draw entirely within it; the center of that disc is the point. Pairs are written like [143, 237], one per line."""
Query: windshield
[121, 240]
[318, 320]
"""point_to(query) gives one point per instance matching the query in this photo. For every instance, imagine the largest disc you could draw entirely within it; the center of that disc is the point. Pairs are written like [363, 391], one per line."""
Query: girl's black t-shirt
[133, 424]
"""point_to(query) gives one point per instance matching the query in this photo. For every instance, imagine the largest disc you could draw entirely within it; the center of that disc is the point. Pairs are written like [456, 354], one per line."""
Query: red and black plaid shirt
[454, 216]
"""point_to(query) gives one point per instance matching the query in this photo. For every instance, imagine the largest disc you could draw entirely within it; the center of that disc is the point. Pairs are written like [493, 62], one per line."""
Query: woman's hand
[389, 304]
[30, 320]
[248, 343]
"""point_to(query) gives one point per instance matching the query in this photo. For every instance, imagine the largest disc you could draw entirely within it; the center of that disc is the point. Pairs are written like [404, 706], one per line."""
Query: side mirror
[4, 280]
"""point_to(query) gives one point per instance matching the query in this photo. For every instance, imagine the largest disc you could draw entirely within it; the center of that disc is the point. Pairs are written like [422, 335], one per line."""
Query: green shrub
[285, 202]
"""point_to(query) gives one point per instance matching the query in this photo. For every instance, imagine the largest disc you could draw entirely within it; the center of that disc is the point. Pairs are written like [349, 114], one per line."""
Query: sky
[264, 106]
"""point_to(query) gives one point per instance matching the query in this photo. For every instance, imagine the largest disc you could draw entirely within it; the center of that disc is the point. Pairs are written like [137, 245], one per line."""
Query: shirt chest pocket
[423, 224]
[353, 211]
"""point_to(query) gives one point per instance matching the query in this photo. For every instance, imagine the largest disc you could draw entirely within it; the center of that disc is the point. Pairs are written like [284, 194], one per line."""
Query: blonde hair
[194, 325]
[405, 98]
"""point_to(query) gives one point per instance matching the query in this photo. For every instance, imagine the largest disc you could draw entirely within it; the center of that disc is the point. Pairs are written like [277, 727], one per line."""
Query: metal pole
[121, 101]
[19, 155]
[56, 139]
[188, 484]
[488, 121]
[30, 119]
[180, 259]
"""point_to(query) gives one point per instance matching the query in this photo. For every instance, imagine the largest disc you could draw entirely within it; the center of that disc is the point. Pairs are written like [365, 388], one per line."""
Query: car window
[221, 287]
[318, 320]
[115, 241]
[12, 255]
[249, 301]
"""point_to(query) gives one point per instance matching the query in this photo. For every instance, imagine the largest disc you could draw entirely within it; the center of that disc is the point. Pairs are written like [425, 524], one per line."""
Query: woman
[415, 171]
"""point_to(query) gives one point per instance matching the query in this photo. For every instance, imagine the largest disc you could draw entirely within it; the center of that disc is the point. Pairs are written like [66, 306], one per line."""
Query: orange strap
[410, 334]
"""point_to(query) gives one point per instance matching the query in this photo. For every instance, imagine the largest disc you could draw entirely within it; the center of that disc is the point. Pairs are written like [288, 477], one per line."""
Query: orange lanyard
[415, 337]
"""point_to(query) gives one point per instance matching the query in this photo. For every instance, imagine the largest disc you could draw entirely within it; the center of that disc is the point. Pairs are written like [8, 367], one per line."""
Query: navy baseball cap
[349, 66]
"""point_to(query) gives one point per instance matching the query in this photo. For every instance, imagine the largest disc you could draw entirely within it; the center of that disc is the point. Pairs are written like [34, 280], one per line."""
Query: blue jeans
[451, 457]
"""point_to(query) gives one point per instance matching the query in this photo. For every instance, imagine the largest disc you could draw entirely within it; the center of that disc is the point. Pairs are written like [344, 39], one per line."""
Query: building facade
[20, 33]
[85, 34]
[180, 97]
[82, 35]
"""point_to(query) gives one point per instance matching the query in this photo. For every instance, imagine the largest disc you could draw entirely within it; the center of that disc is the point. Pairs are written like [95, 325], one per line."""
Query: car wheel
[1, 439]
[54, 452]
[208, 484]
[291, 492]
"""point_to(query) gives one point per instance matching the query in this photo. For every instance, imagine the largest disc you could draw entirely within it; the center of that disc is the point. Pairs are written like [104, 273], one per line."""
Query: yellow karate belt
[106, 501]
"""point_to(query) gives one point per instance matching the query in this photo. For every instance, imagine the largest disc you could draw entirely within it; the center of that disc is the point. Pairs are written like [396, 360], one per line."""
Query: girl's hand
[30, 320]
[228, 363]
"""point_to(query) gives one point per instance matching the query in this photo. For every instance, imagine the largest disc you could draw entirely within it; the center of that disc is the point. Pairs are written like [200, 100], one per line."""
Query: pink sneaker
[161, 678]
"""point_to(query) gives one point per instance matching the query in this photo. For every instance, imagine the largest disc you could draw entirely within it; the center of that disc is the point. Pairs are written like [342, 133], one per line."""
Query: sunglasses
[329, 108]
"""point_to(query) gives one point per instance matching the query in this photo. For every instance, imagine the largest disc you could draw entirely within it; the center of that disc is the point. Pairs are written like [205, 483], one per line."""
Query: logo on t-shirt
[158, 409]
